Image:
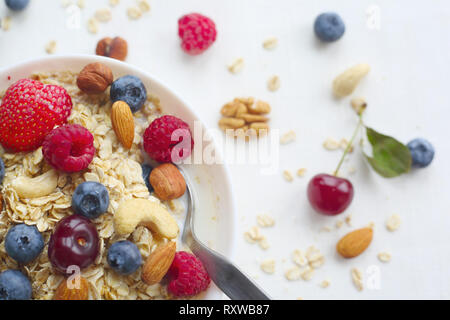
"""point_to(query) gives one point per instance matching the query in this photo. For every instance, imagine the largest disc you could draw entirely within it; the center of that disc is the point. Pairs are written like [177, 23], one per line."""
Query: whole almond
[355, 242]
[94, 78]
[158, 263]
[123, 123]
[167, 181]
[116, 48]
[63, 292]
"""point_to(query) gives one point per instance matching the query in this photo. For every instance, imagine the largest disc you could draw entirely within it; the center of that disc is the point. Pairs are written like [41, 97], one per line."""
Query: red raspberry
[29, 111]
[197, 33]
[69, 148]
[158, 141]
[187, 275]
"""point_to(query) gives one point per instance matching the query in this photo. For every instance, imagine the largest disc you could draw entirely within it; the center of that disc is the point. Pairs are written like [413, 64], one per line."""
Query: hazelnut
[116, 48]
[167, 181]
[94, 78]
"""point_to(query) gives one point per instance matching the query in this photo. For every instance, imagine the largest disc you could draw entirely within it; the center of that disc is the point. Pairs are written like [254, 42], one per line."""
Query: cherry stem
[349, 145]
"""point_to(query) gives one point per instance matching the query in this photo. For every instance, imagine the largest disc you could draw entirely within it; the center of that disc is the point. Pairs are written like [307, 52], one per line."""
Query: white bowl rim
[134, 69]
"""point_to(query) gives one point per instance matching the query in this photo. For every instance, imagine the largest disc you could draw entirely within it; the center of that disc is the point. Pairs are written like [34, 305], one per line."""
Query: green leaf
[390, 158]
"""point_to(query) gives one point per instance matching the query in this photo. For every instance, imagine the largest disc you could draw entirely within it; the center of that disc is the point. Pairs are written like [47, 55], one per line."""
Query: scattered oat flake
[325, 284]
[293, 274]
[50, 48]
[92, 25]
[326, 229]
[315, 257]
[6, 23]
[113, 3]
[268, 266]
[265, 221]
[299, 258]
[270, 43]
[331, 144]
[264, 244]
[144, 6]
[288, 176]
[134, 13]
[352, 170]
[393, 222]
[384, 256]
[288, 137]
[274, 83]
[301, 172]
[253, 235]
[348, 220]
[103, 15]
[307, 273]
[357, 277]
[81, 4]
[339, 224]
[236, 66]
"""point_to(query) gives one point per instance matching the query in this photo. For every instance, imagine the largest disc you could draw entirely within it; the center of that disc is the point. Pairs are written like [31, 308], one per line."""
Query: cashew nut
[134, 212]
[346, 82]
[36, 187]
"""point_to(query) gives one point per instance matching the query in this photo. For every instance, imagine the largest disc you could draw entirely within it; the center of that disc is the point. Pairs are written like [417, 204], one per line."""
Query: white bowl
[215, 213]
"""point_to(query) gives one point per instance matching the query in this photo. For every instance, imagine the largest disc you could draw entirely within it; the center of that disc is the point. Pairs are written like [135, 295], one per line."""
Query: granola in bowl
[114, 166]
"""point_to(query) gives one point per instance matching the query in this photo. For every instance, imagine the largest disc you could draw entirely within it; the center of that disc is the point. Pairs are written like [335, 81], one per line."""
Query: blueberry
[17, 5]
[131, 90]
[24, 243]
[2, 170]
[14, 285]
[90, 199]
[422, 152]
[329, 27]
[124, 257]
[146, 170]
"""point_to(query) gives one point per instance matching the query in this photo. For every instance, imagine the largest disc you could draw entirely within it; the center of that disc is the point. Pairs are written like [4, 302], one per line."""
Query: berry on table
[158, 141]
[146, 170]
[69, 148]
[24, 243]
[14, 285]
[329, 27]
[90, 199]
[74, 242]
[29, 111]
[422, 152]
[129, 89]
[124, 257]
[2, 171]
[330, 195]
[197, 33]
[187, 275]
[17, 5]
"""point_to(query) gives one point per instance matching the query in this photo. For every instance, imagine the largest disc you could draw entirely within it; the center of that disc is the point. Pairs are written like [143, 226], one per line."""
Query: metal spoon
[233, 282]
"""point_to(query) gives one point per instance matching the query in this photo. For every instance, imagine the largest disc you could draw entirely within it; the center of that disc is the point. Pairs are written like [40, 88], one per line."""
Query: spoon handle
[233, 282]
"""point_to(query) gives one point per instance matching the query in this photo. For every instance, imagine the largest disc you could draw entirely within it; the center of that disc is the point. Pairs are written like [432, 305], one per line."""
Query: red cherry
[329, 194]
[75, 241]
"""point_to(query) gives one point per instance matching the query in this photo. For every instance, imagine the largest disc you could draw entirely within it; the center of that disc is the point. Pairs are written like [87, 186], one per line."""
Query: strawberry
[29, 111]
